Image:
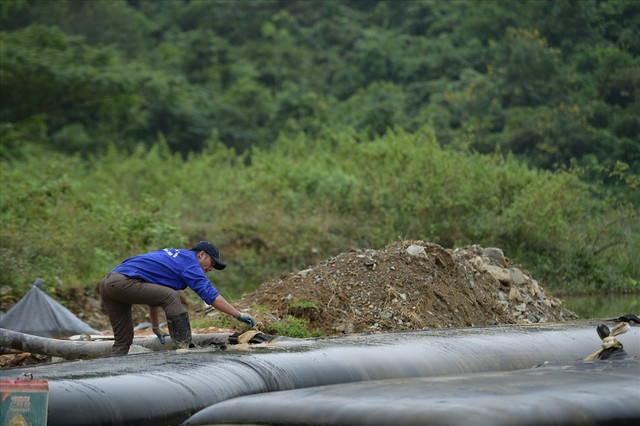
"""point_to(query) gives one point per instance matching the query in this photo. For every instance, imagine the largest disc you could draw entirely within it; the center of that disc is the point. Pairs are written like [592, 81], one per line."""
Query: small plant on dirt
[303, 304]
[292, 327]
[304, 309]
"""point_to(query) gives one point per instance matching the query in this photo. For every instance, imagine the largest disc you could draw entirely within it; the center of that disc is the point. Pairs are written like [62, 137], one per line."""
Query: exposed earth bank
[408, 285]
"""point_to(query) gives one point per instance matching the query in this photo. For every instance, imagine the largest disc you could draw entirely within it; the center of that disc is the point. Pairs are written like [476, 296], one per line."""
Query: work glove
[158, 332]
[247, 319]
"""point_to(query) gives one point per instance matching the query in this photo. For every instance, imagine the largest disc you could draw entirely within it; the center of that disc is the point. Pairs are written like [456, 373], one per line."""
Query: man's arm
[221, 304]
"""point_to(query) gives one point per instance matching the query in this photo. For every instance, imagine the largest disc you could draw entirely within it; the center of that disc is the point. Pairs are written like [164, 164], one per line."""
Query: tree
[50, 81]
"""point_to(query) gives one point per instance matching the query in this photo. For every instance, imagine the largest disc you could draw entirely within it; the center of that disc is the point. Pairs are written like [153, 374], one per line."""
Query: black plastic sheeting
[167, 388]
[39, 314]
[601, 392]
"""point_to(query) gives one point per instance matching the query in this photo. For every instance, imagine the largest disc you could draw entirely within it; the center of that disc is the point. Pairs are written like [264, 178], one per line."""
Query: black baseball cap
[212, 251]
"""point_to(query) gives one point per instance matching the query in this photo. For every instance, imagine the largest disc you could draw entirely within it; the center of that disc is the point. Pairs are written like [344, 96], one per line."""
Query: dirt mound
[405, 286]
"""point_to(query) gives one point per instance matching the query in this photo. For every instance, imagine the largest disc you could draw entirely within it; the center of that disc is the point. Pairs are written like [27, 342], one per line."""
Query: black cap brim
[220, 265]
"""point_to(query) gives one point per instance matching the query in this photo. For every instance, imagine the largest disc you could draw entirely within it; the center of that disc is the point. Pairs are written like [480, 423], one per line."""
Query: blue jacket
[170, 267]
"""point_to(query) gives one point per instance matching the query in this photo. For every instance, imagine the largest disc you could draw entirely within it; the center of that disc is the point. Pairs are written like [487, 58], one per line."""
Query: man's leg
[119, 313]
[120, 289]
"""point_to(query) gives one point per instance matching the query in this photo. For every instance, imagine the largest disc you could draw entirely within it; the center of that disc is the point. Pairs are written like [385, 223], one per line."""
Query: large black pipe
[581, 393]
[169, 387]
[68, 349]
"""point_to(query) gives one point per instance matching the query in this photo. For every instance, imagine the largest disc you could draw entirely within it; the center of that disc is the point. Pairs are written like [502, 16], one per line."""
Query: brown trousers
[119, 292]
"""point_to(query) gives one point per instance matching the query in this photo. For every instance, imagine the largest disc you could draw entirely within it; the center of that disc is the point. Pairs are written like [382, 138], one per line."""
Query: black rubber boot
[180, 331]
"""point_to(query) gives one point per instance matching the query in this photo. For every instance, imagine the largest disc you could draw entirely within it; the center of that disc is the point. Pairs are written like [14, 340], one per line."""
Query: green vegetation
[288, 132]
[304, 304]
[604, 306]
[305, 200]
[292, 327]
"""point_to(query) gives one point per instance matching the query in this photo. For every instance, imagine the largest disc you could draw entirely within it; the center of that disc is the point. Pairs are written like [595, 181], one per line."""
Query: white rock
[415, 250]
[305, 272]
[495, 255]
[500, 274]
[516, 276]
[513, 293]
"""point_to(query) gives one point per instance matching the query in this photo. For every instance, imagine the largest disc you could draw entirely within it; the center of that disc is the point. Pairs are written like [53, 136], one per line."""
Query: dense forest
[288, 131]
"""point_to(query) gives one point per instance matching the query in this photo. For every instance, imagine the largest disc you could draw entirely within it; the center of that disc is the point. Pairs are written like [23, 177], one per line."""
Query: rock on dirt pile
[409, 285]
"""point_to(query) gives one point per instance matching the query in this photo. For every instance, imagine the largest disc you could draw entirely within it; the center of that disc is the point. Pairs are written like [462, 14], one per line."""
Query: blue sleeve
[198, 282]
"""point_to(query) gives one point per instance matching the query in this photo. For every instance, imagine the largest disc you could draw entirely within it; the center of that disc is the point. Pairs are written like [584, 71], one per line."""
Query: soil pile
[405, 286]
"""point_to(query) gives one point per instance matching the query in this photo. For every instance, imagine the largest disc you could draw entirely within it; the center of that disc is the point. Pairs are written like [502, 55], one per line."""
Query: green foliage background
[288, 132]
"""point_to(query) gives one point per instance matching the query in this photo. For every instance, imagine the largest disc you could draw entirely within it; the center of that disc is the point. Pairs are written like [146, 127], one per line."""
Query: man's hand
[247, 319]
[158, 332]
